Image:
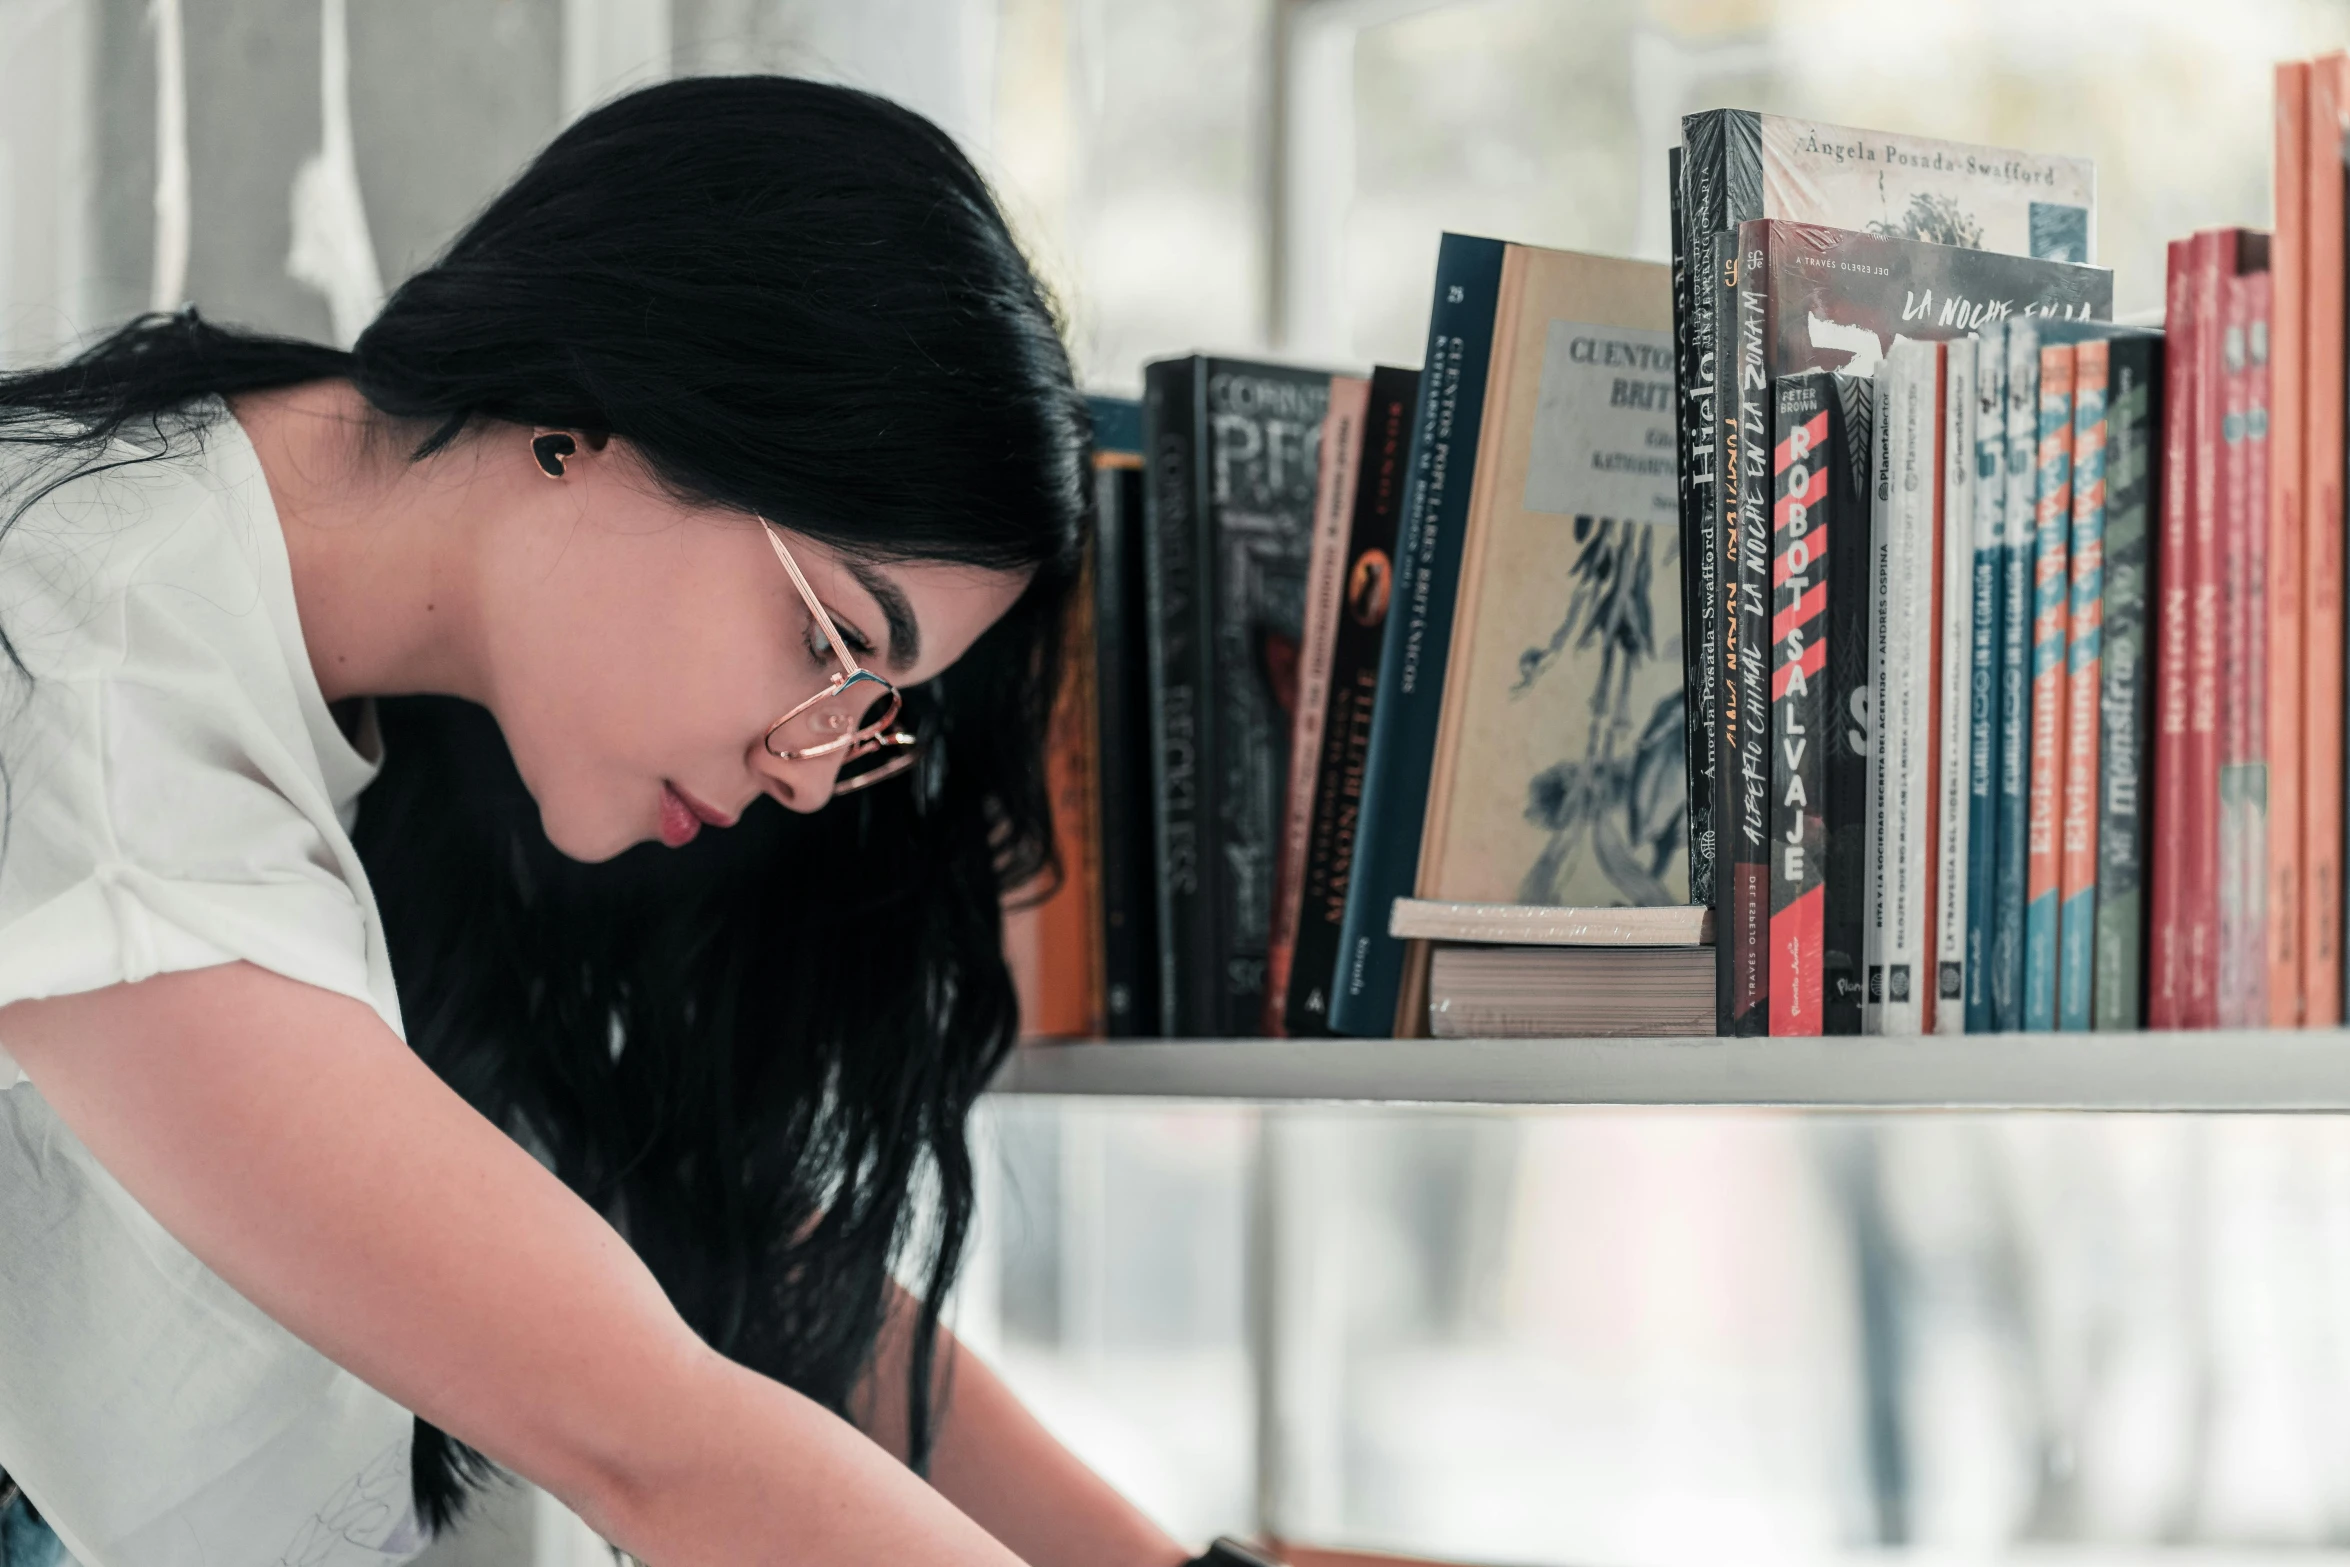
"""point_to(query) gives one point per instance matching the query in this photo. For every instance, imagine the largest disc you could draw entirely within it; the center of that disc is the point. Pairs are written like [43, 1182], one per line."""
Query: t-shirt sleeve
[160, 825]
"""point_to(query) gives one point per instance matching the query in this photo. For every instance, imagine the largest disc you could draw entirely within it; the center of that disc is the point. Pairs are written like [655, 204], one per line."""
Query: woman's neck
[382, 548]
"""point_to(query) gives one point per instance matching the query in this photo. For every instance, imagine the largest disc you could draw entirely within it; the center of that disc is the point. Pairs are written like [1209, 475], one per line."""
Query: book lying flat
[1479, 992]
[1542, 925]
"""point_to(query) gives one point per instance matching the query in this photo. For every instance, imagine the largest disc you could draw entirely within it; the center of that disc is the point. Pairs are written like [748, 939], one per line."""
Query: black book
[1446, 423]
[1845, 743]
[1354, 686]
[1122, 701]
[1742, 806]
[2133, 419]
[1233, 448]
[1693, 348]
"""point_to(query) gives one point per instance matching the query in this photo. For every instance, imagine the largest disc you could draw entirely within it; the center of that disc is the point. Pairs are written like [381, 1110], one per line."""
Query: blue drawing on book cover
[1624, 801]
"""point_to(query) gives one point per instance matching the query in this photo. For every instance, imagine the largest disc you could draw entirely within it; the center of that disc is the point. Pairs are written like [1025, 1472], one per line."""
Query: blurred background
[1529, 1338]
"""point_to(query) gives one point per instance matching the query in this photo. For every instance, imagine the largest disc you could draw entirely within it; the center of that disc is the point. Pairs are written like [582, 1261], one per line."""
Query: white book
[1908, 731]
[1957, 512]
[1891, 403]
[1540, 925]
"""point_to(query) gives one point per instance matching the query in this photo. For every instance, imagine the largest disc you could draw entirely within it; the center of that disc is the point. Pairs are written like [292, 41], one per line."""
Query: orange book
[2287, 355]
[2321, 577]
[1055, 944]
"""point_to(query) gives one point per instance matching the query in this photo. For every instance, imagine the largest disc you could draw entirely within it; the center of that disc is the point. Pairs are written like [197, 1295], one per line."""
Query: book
[2322, 454]
[2051, 603]
[1987, 593]
[1534, 925]
[1558, 775]
[1846, 742]
[2166, 958]
[1803, 532]
[2134, 422]
[1693, 450]
[1234, 448]
[1128, 913]
[2288, 271]
[1954, 701]
[1369, 590]
[1742, 899]
[1889, 424]
[2021, 490]
[1486, 992]
[1447, 420]
[2084, 682]
[2243, 653]
[1326, 563]
[1737, 165]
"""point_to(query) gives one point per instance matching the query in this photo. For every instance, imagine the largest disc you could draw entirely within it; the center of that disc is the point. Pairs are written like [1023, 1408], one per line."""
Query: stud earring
[550, 447]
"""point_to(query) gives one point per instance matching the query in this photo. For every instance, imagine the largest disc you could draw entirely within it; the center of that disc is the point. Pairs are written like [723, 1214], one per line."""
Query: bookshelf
[2226, 1071]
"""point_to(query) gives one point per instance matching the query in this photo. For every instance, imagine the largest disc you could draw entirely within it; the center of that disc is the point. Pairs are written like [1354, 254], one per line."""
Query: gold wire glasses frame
[834, 711]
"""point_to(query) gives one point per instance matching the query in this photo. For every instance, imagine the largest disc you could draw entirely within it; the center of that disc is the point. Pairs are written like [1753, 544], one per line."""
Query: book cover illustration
[2084, 650]
[1800, 589]
[1839, 300]
[1917, 188]
[2051, 605]
[1561, 757]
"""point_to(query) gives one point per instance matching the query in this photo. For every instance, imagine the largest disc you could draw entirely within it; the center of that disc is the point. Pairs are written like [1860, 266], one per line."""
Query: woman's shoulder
[163, 519]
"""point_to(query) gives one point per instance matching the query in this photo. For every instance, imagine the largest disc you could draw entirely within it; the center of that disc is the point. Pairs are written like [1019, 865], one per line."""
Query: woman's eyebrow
[905, 635]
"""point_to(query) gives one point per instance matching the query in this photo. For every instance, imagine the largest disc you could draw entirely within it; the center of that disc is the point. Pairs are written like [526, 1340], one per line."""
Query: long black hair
[757, 1054]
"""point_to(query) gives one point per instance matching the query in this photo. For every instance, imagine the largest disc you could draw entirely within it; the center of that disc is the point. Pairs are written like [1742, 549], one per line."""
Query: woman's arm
[296, 1146]
[998, 1464]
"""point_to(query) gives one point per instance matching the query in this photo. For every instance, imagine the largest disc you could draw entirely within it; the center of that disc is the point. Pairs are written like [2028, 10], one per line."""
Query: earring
[550, 447]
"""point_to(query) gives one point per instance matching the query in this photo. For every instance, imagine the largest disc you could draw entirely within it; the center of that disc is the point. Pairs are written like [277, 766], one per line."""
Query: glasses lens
[861, 708]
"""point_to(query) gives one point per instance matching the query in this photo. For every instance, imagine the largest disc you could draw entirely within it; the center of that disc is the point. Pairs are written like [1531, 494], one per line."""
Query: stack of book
[1956, 658]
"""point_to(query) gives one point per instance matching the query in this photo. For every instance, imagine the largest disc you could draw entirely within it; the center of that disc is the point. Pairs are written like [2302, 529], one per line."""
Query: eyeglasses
[856, 713]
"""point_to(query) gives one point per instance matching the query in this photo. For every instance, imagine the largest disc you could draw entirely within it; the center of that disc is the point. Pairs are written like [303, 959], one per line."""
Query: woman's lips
[682, 816]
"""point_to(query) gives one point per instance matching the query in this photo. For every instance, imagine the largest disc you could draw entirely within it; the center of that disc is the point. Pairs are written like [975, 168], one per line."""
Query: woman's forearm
[997, 1462]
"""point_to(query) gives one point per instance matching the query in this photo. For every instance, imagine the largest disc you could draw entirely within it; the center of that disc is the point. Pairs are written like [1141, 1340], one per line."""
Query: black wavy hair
[757, 1054]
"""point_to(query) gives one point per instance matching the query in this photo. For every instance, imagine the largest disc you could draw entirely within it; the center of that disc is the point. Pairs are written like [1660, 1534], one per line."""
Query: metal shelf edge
[2291, 1071]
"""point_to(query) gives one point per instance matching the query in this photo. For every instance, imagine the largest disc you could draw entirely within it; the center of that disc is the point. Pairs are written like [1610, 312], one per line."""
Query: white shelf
[2217, 1071]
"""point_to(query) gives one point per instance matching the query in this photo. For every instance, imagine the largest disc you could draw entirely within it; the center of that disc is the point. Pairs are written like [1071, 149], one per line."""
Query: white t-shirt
[178, 795]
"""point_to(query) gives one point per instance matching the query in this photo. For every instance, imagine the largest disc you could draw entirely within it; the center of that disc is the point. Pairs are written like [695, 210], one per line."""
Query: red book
[2321, 577]
[2166, 981]
[2288, 355]
[2243, 649]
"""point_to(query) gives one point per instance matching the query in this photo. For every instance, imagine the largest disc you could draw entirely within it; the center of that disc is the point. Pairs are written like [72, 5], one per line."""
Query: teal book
[2051, 622]
[1990, 539]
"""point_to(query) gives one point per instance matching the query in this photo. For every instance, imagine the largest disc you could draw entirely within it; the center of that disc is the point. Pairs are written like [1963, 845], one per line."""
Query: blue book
[1445, 424]
[2015, 692]
[1983, 730]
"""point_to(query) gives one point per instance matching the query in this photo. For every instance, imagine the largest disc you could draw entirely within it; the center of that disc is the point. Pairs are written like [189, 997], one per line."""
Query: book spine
[1744, 938]
[2051, 589]
[1368, 587]
[1177, 653]
[1846, 739]
[1910, 690]
[2287, 404]
[1800, 588]
[1122, 703]
[1693, 344]
[2254, 1007]
[1446, 421]
[2084, 679]
[2015, 686]
[2199, 882]
[1888, 416]
[1068, 964]
[2166, 981]
[1982, 771]
[2134, 416]
[2321, 549]
[1334, 493]
[2237, 671]
[1955, 730]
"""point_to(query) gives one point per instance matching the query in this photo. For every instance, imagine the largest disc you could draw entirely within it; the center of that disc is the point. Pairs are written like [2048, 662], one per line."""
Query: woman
[554, 1048]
